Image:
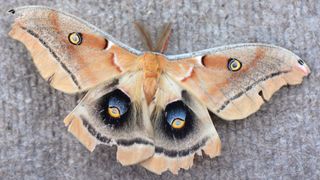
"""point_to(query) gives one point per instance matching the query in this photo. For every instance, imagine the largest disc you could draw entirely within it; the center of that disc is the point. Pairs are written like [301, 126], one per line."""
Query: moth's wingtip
[11, 11]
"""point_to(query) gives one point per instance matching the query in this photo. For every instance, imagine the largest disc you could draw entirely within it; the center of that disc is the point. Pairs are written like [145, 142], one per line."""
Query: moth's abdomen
[150, 86]
[152, 69]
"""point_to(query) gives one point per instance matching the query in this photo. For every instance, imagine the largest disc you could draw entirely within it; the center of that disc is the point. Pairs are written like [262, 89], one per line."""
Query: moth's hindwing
[115, 113]
[182, 127]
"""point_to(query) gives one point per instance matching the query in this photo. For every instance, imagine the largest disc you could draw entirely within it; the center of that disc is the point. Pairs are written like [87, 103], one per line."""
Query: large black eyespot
[113, 108]
[177, 119]
[234, 64]
[75, 38]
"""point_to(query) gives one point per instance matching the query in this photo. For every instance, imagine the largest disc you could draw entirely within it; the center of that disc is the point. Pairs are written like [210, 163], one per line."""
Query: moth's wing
[96, 121]
[70, 66]
[177, 143]
[237, 94]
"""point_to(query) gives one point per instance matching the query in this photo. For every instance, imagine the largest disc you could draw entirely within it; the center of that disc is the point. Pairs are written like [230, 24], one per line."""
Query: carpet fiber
[280, 141]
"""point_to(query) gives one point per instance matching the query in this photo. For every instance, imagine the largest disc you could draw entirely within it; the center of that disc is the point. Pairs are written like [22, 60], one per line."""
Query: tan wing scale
[176, 149]
[133, 134]
[66, 66]
[236, 95]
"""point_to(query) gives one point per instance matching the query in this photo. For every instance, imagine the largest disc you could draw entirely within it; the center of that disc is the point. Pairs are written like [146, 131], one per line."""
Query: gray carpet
[280, 141]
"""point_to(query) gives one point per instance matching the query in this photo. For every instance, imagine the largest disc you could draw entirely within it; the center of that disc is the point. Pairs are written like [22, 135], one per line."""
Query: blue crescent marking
[118, 103]
[175, 113]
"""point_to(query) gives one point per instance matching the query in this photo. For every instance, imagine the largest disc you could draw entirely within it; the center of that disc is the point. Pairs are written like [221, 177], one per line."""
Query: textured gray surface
[281, 141]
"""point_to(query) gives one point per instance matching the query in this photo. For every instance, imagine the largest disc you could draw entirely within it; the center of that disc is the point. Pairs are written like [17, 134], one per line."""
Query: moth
[153, 107]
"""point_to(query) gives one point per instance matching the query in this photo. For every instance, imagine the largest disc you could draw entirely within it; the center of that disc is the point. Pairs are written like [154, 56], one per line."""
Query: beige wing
[70, 54]
[234, 81]
[115, 113]
[182, 127]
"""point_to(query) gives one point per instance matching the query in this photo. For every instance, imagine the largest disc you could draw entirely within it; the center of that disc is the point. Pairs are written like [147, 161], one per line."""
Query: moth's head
[148, 56]
[152, 62]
